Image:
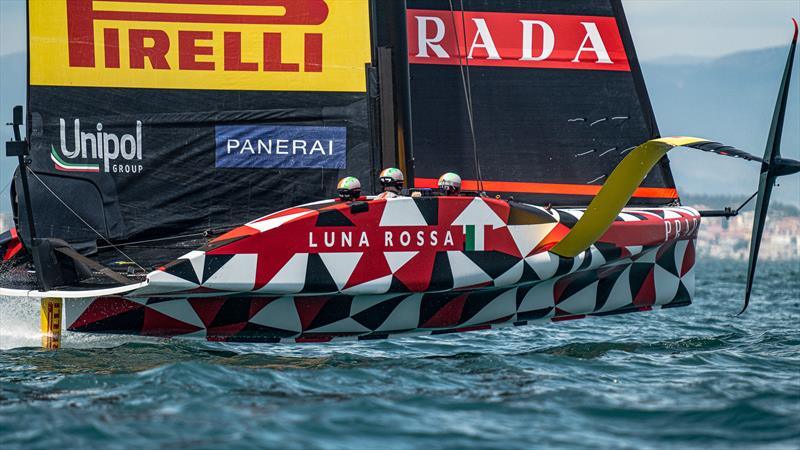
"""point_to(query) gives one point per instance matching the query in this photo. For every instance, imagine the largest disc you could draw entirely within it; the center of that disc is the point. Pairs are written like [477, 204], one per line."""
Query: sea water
[695, 377]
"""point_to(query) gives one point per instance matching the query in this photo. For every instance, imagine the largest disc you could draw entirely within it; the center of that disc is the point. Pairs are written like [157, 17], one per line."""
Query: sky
[708, 28]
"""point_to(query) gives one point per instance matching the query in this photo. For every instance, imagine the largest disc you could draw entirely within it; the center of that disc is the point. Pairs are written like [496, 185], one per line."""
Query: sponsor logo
[680, 228]
[515, 40]
[98, 150]
[280, 146]
[201, 44]
[82, 14]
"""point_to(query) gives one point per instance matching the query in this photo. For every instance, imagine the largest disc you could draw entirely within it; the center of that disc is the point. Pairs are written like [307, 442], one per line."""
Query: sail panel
[174, 118]
[556, 93]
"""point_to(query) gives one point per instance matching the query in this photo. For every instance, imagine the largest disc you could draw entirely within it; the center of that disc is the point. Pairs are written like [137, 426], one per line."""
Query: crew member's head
[450, 184]
[349, 189]
[391, 180]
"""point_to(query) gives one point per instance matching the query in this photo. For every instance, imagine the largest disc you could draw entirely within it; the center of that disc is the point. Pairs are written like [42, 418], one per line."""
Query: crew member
[450, 184]
[349, 189]
[391, 180]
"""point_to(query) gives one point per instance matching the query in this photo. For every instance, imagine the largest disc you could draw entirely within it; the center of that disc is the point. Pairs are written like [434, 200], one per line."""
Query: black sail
[557, 98]
[191, 118]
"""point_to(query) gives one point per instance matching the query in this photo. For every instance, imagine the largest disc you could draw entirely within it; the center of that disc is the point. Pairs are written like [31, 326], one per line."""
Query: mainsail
[555, 93]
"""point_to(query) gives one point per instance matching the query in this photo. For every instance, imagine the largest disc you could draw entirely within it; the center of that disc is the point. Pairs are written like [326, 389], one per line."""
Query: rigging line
[171, 238]
[8, 185]
[35, 175]
[471, 108]
[465, 82]
[746, 201]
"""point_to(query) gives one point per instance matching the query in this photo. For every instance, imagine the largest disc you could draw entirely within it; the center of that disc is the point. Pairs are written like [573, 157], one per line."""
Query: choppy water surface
[682, 378]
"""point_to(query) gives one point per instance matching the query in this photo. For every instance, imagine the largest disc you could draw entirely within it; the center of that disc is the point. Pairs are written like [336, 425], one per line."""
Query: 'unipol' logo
[154, 44]
[98, 151]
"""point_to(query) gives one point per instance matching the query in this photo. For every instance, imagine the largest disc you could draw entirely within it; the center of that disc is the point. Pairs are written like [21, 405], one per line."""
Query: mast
[405, 94]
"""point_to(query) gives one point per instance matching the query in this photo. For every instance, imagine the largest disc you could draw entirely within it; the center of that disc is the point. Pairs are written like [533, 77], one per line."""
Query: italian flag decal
[71, 167]
[474, 238]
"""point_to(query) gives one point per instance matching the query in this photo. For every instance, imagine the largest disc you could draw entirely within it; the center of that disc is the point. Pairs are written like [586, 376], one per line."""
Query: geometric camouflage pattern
[656, 276]
[428, 244]
[384, 267]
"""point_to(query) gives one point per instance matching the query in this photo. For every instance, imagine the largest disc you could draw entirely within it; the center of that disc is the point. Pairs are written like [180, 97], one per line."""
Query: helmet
[391, 178]
[349, 188]
[450, 184]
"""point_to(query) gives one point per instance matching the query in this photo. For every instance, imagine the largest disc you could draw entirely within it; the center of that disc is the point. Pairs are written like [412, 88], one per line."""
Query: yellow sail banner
[271, 45]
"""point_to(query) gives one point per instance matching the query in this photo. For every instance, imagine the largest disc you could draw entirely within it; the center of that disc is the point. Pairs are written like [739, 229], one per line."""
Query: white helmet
[450, 184]
[391, 179]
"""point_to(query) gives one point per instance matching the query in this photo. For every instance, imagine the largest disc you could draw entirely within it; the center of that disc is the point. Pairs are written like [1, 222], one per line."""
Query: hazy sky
[705, 28]
[660, 27]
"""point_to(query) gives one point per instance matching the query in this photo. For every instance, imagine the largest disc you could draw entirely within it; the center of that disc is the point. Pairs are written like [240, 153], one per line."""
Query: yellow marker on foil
[51, 310]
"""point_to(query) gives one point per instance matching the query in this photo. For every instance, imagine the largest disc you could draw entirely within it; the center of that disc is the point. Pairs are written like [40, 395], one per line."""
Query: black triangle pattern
[577, 282]
[334, 310]
[609, 251]
[429, 208]
[442, 274]
[564, 265]
[606, 285]
[234, 310]
[587, 260]
[333, 218]
[476, 302]
[213, 263]
[397, 285]
[431, 304]
[528, 274]
[682, 297]
[374, 316]
[129, 322]
[638, 276]
[183, 269]
[318, 279]
[667, 260]
[494, 263]
[522, 291]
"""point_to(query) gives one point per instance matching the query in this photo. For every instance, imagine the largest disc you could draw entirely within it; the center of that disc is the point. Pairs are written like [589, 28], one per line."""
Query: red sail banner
[549, 41]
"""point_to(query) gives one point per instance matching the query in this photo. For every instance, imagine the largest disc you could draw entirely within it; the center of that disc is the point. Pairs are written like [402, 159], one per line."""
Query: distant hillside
[729, 99]
[721, 201]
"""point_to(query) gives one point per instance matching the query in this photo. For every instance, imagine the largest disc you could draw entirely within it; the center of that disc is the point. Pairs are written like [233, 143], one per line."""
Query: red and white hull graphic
[383, 267]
